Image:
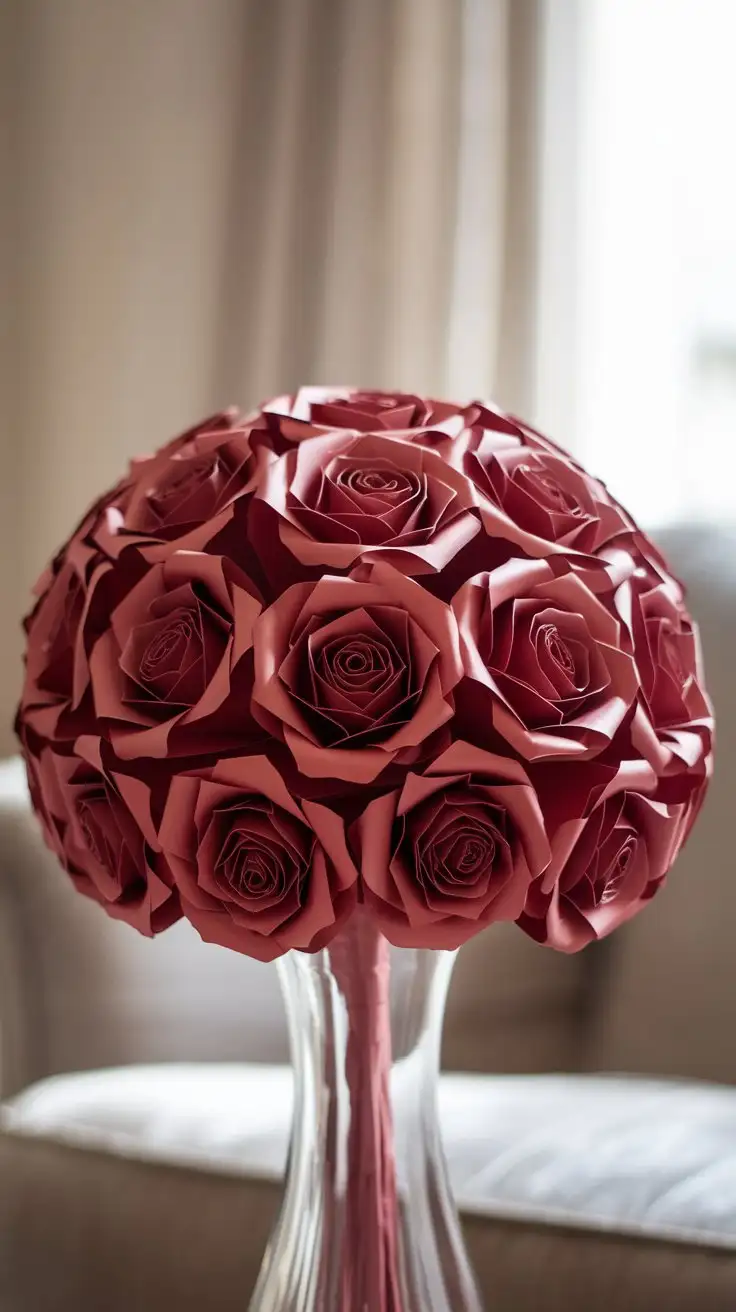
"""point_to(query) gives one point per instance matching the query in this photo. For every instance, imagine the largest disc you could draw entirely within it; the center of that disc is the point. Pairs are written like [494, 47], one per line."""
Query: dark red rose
[355, 673]
[673, 725]
[80, 554]
[222, 421]
[453, 850]
[256, 871]
[196, 474]
[553, 658]
[535, 497]
[362, 411]
[98, 822]
[345, 496]
[170, 669]
[53, 628]
[186, 493]
[486, 415]
[193, 674]
[609, 856]
[313, 411]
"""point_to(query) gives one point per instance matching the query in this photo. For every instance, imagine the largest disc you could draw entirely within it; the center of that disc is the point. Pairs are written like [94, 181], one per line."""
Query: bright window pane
[656, 392]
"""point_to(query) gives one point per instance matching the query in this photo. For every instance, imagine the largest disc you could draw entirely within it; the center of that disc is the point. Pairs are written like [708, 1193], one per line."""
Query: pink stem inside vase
[361, 966]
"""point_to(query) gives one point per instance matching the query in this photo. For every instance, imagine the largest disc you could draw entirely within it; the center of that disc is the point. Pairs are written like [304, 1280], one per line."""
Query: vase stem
[367, 1223]
[361, 969]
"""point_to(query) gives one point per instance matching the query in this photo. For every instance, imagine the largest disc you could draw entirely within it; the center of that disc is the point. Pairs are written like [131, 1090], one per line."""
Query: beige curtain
[211, 202]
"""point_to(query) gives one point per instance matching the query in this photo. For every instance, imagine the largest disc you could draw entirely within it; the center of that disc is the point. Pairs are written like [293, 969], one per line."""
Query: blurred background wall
[206, 203]
[215, 202]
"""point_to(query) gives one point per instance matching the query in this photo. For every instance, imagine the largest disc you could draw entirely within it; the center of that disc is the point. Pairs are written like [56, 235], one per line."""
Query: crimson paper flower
[343, 497]
[356, 673]
[255, 871]
[362, 648]
[551, 655]
[455, 849]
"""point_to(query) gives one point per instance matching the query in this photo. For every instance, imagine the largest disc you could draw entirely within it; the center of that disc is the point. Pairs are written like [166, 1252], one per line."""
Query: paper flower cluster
[364, 648]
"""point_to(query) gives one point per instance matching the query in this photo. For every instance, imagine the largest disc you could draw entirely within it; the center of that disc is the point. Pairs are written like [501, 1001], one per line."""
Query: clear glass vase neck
[368, 1223]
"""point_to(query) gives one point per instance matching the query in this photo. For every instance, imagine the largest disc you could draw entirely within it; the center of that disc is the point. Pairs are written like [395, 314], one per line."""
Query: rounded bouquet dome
[363, 648]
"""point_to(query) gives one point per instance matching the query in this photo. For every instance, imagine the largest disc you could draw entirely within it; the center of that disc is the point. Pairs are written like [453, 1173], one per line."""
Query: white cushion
[628, 1156]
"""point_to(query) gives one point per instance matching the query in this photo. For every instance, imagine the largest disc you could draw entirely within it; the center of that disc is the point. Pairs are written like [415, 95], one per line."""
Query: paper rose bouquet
[364, 669]
[363, 649]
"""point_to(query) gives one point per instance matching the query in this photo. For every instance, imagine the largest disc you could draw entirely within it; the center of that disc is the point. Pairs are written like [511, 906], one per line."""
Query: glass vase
[367, 1223]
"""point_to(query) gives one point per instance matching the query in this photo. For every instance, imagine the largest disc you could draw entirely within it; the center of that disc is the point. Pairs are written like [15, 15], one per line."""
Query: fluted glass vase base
[367, 1223]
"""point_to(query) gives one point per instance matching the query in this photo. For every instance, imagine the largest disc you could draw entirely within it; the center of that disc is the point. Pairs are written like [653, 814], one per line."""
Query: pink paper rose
[49, 675]
[361, 411]
[188, 492]
[535, 497]
[673, 725]
[170, 664]
[347, 496]
[609, 858]
[453, 850]
[255, 870]
[491, 418]
[98, 822]
[355, 673]
[222, 421]
[552, 658]
[363, 604]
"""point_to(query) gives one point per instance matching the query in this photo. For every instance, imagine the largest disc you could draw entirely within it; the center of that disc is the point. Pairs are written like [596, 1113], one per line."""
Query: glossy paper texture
[364, 649]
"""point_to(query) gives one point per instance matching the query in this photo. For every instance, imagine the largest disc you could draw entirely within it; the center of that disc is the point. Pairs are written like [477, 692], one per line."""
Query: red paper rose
[552, 656]
[170, 671]
[332, 598]
[188, 492]
[673, 725]
[535, 497]
[345, 496]
[453, 850]
[98, 822]
[255, 870]
[49, 676]
[485, 415]
[363, 411]
[222, 421]
[355, 673]
[609, 857]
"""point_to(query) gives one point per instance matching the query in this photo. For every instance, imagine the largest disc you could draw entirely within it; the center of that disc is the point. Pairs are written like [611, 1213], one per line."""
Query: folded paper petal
[352, 728]
[363, 648]
[99, 823]
[255, 871]
[344, 496]
[608, 862]
[171, 667]
[454, 850]
[552, 655]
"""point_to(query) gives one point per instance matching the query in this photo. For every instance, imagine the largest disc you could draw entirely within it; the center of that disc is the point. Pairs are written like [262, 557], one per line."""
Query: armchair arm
[16, 957]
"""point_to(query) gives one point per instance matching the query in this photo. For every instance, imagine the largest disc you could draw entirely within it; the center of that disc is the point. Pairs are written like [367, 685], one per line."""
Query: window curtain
[210, 203]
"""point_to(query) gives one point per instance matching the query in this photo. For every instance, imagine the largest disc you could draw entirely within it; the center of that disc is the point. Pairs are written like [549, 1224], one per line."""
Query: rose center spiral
[465, 853]
[371, 481]
[355, 663]
[549, 490]
[93, 837]
[249, 869]
[474, 853]
[671, 652]
[557, 648]
[101, 835]
[167, 649]
[617, 870]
